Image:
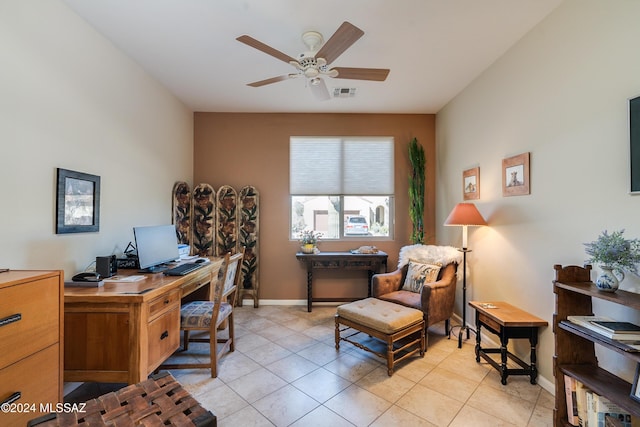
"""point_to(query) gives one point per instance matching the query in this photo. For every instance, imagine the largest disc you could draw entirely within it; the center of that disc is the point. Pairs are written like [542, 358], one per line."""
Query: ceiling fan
[314, 63]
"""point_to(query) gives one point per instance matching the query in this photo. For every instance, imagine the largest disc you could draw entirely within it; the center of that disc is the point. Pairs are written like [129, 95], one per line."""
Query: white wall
[561, 94]
[70, 99]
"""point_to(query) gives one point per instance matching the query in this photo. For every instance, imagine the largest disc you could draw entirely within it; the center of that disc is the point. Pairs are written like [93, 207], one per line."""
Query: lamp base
[463, 329]
[464, 326]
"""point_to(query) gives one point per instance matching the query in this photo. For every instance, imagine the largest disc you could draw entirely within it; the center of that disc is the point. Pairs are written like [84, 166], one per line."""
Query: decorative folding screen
[214, 223]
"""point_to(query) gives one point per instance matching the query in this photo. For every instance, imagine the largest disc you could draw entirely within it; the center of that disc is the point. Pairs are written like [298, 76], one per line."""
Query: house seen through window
[341, 187]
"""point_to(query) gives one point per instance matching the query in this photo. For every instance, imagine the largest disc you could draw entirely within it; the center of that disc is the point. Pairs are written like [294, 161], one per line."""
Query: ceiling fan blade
[376, 74]
[269, 81]
[250, 41]
[346, 35]
[319, 89]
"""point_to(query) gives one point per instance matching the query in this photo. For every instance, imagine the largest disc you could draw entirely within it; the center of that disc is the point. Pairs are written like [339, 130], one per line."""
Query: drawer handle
[164, 335]
[9, 400]
[10, 319]
[166, 302]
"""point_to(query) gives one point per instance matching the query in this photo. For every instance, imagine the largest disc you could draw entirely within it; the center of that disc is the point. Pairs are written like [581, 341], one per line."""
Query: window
[341, 187]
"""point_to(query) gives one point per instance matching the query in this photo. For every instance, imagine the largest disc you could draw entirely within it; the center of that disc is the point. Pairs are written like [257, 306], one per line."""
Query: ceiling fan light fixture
[332, 73]
[311, 72]
[313, 40]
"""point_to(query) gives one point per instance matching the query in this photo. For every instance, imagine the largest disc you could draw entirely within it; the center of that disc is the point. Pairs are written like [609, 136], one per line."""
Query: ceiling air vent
[344, 92]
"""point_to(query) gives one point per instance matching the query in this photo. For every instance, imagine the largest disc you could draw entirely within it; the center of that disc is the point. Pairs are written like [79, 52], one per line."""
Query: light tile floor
[286, 372]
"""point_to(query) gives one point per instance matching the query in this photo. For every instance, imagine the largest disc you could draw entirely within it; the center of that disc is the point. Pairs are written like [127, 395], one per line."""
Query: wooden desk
[507, 321]
[340, 261]
[122, 332]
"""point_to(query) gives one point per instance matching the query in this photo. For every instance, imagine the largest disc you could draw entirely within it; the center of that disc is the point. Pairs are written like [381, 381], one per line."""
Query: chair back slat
[217, 265]
[231, 274]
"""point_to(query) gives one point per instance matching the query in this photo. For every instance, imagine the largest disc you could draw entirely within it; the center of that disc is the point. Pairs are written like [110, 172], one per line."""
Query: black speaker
[106, 266]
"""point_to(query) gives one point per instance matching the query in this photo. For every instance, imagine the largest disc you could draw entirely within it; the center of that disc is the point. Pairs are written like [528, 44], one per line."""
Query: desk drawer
[164, 337]
[361, 264]
[29, 318]
[163, 303]
[489, 322]
[36, 379]
[334, 263]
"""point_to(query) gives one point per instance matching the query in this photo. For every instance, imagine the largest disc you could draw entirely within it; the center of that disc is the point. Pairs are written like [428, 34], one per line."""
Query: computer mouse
[200, 260]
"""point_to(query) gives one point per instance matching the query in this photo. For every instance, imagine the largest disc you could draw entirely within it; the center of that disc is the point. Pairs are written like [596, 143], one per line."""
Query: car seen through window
[356, 224]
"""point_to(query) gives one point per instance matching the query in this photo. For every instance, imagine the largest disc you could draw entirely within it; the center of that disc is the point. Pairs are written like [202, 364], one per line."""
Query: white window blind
[350, 166]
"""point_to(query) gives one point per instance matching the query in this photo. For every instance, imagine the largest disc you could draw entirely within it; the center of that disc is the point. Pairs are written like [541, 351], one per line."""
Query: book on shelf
[586, 321]
[604, 409]
[616, 327]
[591, 419]
[614, 420]
[572, 403]
[597, 411]
[589, 322]
[581, 403]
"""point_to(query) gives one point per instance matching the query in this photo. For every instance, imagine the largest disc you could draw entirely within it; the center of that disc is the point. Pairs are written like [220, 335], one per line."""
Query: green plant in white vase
[613, 253]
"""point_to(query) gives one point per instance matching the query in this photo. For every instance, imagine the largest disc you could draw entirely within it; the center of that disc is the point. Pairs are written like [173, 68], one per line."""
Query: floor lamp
[464, 214]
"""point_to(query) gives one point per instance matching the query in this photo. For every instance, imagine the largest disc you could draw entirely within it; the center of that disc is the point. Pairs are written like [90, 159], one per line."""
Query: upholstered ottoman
[400, 328]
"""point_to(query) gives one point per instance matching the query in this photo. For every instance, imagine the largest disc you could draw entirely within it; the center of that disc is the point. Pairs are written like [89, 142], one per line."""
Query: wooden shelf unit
[575, 346]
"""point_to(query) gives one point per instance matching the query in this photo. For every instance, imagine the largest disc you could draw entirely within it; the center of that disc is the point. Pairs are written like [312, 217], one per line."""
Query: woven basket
[158, 401]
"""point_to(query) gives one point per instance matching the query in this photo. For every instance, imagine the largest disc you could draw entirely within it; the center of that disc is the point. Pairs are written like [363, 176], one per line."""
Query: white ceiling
[434, 48]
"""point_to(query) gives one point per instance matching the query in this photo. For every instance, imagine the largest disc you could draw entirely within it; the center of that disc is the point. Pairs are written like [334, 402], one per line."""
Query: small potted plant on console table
[309, 241]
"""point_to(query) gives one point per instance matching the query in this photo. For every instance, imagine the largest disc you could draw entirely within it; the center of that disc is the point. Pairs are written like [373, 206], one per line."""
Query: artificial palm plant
[416, 191]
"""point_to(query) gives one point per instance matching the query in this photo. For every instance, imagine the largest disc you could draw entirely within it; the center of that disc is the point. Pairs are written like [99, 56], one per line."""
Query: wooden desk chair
[212, 315]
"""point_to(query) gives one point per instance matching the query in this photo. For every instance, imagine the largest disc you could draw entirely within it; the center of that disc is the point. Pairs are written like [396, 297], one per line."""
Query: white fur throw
[430, 254]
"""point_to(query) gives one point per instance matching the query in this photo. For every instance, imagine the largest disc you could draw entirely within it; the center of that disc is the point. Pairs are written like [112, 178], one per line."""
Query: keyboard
[183, 269]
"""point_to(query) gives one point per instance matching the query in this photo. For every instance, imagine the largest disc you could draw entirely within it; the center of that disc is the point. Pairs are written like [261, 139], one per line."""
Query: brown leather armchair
[436, 300]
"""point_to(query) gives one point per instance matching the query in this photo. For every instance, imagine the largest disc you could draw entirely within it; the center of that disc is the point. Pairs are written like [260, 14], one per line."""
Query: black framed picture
[77, 202]
[634, 142]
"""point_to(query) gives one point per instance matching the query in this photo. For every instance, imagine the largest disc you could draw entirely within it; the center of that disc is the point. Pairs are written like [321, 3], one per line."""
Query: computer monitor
[156, 245]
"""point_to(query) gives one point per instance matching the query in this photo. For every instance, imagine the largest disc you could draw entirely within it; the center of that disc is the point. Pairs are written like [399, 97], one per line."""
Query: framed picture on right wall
[471, 184]
[515, 175]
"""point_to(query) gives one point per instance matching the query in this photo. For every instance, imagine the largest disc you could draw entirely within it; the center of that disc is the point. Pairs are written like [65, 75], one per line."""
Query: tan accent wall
[241, 149]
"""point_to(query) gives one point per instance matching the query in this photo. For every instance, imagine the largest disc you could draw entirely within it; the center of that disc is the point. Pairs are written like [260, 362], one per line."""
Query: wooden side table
[507, 321]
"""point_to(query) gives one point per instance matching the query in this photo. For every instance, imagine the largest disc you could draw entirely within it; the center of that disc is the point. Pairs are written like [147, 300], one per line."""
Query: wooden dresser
[31, 344]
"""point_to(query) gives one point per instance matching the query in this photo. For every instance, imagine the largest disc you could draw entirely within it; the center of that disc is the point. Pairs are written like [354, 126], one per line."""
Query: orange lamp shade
[465, 214]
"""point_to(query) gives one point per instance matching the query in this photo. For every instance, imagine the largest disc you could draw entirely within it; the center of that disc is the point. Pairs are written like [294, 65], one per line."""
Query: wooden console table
[340, 261]
[507, 321]
[121, 332]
